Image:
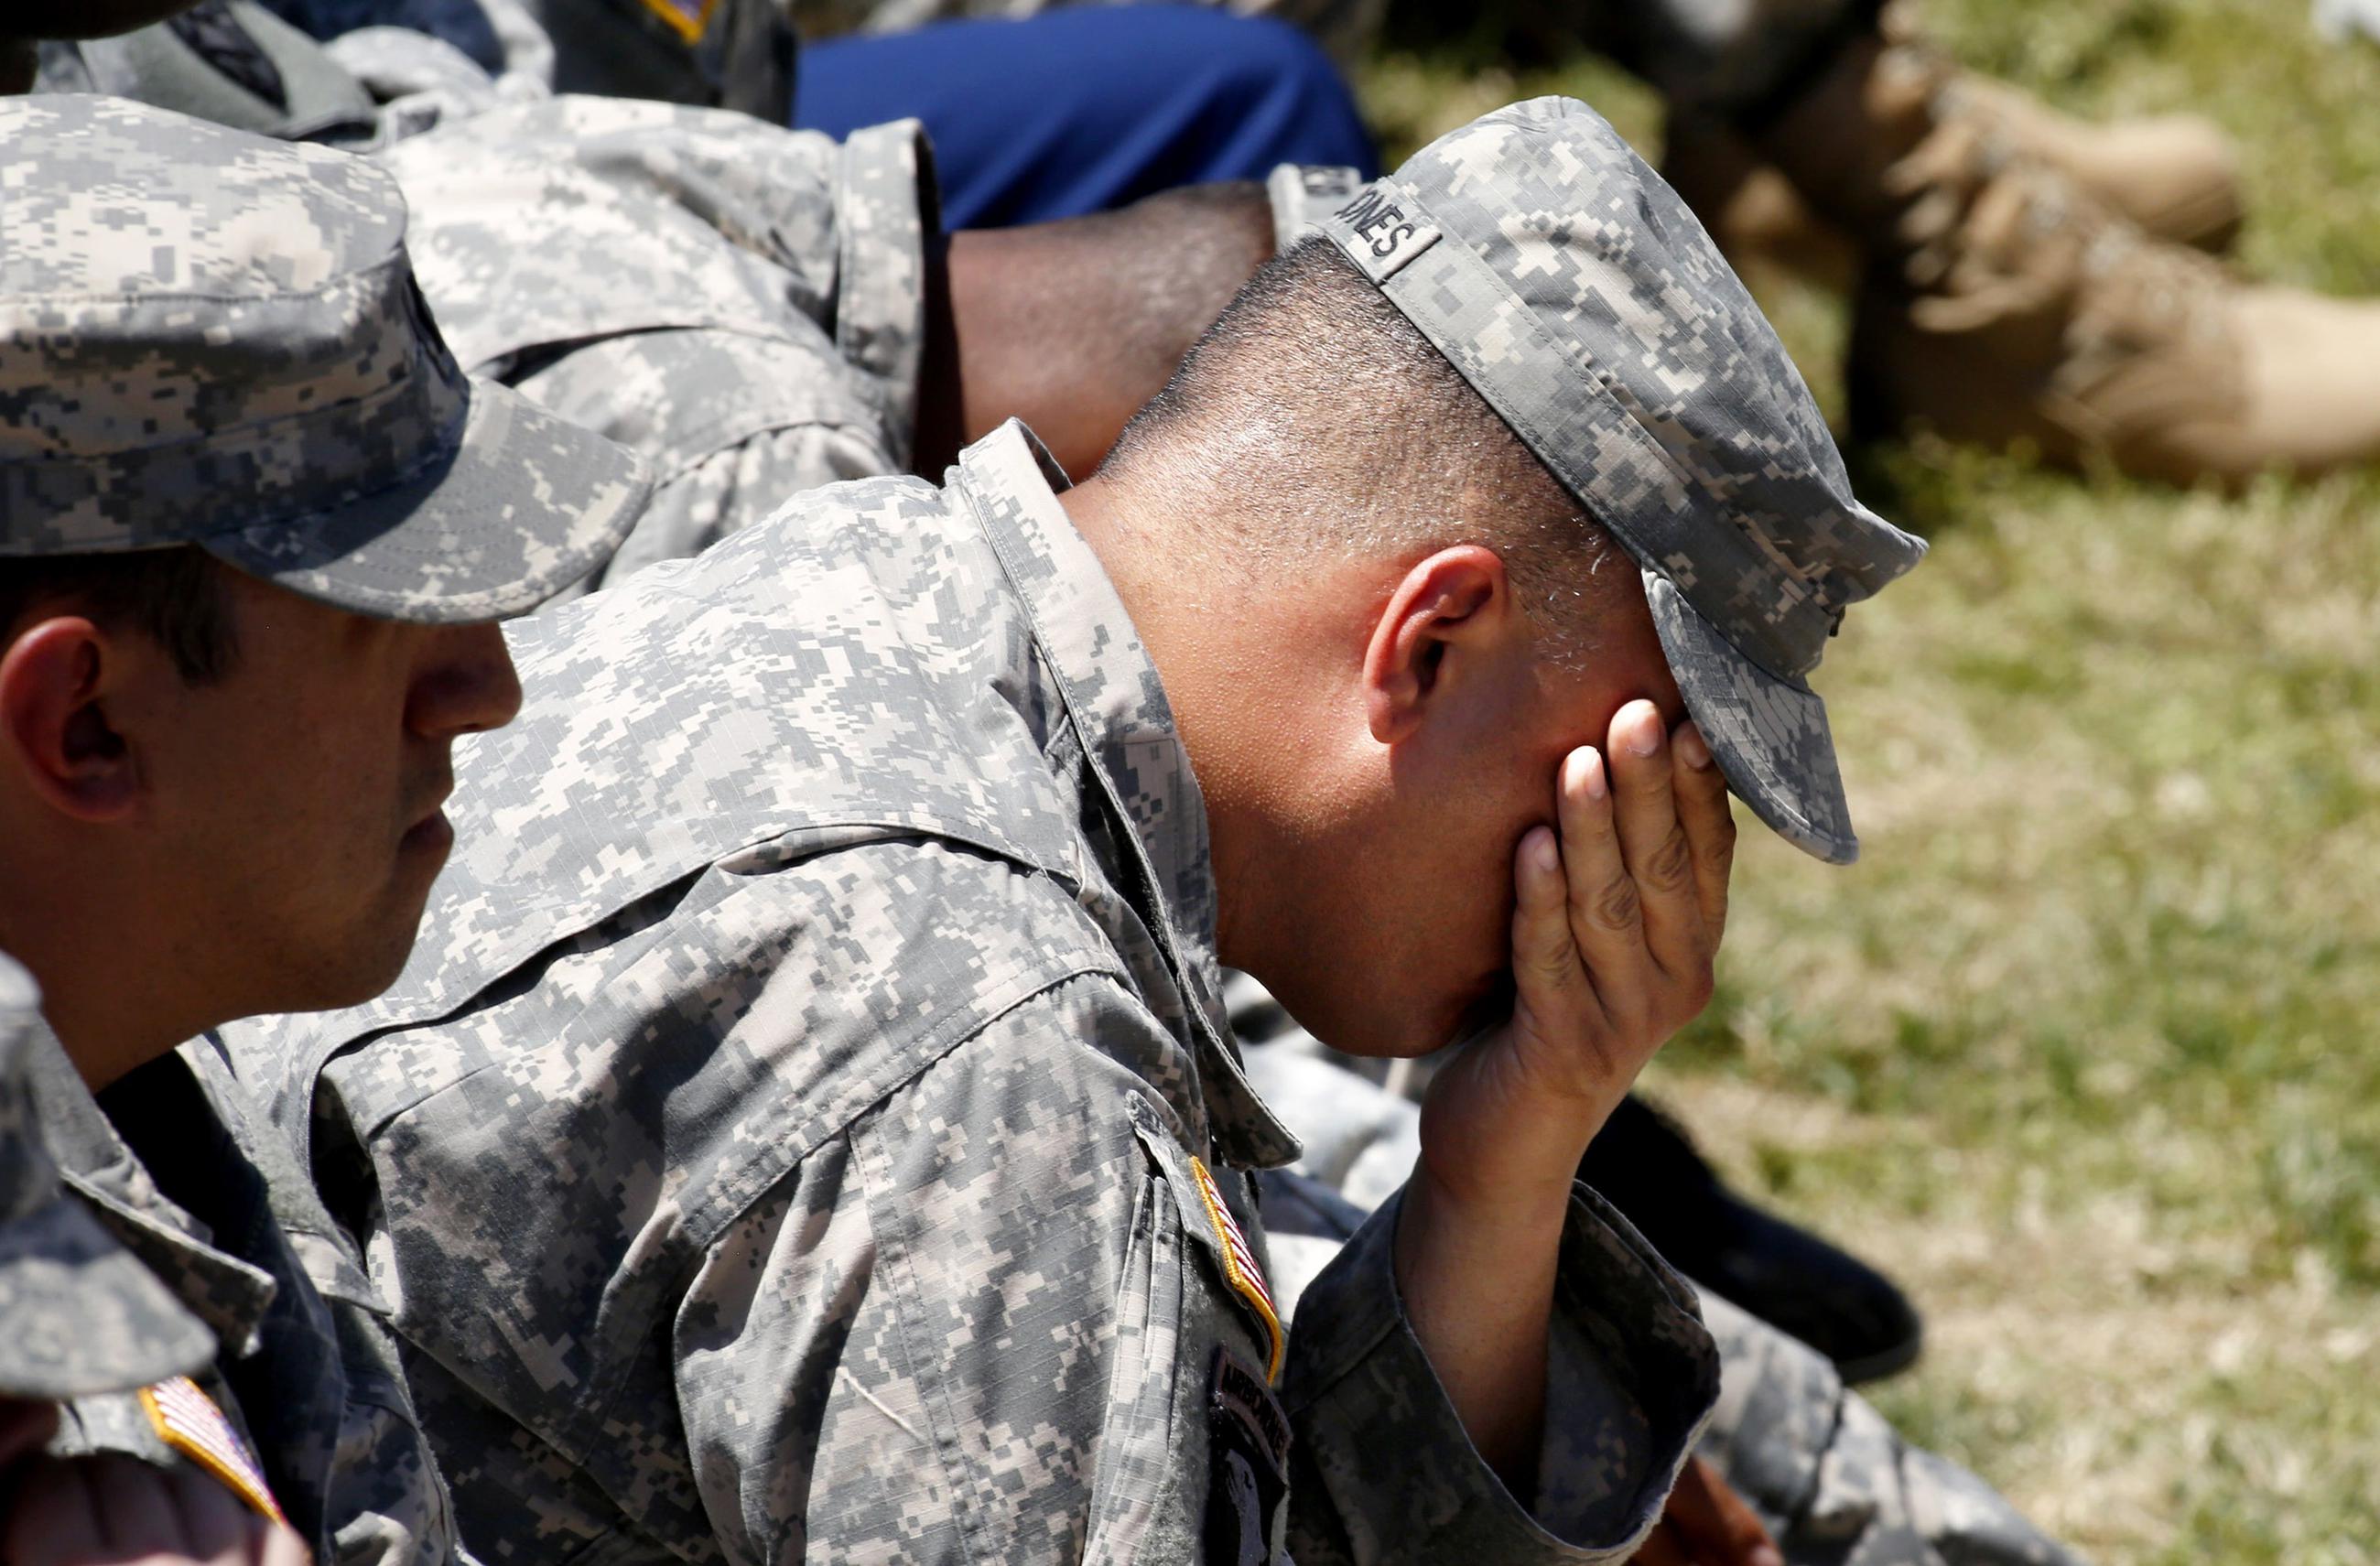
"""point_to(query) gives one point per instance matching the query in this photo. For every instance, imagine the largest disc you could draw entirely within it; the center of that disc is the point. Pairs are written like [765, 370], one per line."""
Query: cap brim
[79, 1315]
[526, 504]
[1769, 735]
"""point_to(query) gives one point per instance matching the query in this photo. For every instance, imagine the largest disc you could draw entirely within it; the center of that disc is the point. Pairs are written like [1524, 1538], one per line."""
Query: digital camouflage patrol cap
[1576, 293]
[208, 337]
[79, 1314]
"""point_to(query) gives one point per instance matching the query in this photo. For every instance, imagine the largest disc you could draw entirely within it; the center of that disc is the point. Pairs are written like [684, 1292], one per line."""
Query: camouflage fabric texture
[1585, 303]
[782, 1142]
[740, 304]
[321, 436]
[78, 1313]
[1835, 1484]
[182, 1173]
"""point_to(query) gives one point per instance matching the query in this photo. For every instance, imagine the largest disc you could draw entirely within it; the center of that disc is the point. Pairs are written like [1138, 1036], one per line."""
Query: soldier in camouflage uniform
[810, 1126]
[754, 311]
[255, 526]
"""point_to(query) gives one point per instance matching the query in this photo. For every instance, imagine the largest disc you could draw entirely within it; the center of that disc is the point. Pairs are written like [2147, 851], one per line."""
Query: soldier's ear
[1444, 605]
[54, 731]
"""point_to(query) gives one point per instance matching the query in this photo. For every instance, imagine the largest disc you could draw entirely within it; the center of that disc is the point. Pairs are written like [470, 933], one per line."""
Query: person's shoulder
[1070, 1070]
[791, 989]
[649, 216]
[888, 527]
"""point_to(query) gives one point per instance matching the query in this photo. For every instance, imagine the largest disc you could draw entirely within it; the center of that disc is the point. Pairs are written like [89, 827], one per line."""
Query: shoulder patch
[188, 1420]
[1240, 1268]
[1247, 1469]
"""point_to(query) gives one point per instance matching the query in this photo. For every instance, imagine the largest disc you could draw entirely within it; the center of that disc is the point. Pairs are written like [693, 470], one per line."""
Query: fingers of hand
[1658, 854]
[120, 1510]
[1709, 824]
[25, 1428]
[1606, 909]
[167, 1515]
[1545, 961]
[278, 1545]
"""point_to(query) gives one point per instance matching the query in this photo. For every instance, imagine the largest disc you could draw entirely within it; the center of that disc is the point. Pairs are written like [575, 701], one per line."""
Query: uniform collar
[1112, 694]
[228, 1294]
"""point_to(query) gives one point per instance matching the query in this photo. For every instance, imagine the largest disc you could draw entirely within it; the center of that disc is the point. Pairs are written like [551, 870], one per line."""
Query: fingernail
[1766, 1555]
[1647, 738]
[1545, 855]
[1590, 774]
[1693, 747]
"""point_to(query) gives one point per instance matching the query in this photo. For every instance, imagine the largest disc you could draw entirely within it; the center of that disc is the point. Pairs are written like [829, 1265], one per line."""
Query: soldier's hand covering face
[1619, 912]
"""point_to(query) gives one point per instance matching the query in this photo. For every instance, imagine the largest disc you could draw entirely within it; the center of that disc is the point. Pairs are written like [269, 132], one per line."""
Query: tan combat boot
[2176, 176]
[2031, 313]
[2001, 302]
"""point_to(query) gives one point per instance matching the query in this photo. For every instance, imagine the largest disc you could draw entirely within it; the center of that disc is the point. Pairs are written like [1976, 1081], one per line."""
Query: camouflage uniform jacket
[307, 1376]
[806, 1128]
[740, 304]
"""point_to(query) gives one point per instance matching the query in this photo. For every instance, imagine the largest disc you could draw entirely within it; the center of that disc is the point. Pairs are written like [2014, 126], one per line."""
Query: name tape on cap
[1389, 233]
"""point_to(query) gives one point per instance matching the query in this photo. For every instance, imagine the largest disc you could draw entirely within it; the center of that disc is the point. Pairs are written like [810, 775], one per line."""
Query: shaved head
[1314, 422]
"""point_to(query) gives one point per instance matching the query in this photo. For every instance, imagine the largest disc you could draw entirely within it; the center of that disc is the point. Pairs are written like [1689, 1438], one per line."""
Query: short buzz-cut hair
[1324, 424]
[176, 597]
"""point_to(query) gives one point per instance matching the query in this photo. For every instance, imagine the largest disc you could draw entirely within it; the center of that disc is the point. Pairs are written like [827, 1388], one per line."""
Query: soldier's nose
[470, 686]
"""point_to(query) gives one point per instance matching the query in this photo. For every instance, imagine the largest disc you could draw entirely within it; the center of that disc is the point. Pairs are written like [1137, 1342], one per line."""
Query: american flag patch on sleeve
[1240, 1266]
[189, 1421]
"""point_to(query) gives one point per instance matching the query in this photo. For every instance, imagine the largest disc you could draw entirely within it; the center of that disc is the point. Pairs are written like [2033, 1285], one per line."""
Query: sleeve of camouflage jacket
[740, 304]
[1834, 1481]
[981, 1325]
[1631, 1376]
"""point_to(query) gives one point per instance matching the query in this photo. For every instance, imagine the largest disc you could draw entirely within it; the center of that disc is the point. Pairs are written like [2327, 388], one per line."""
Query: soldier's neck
[114, 999]
[1175, 611]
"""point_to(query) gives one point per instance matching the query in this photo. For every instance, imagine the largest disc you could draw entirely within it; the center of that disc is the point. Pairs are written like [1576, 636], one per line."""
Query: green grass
[2087, 1048]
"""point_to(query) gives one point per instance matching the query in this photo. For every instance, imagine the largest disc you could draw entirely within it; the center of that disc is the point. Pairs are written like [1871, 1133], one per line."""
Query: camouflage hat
[207, 337]
[1576, 291]
[79, 1314]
